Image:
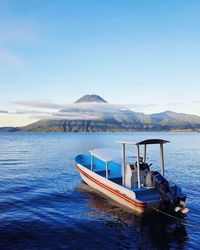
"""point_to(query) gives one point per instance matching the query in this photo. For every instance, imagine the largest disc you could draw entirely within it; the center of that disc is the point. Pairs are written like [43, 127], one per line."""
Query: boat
[128, 179]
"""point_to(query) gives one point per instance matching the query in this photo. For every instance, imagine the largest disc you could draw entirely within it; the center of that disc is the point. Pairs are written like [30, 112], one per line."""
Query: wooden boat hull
[114, 191]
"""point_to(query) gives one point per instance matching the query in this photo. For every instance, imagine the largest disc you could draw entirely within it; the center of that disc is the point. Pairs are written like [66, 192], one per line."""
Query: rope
[191, 223]
[169, 215]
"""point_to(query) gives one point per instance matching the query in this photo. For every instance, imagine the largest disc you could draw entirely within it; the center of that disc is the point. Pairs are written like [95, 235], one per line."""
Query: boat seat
[148, 183]
[102, 172]
[117, 180]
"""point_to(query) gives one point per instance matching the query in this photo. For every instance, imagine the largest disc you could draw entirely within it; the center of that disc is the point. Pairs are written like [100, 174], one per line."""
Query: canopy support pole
[145, 153]
[107, 170]
[138, 165]
[123, 164]
[161, 159]
[92, 162]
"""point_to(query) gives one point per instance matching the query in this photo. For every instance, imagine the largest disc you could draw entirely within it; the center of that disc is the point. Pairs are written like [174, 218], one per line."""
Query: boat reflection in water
[129, 230]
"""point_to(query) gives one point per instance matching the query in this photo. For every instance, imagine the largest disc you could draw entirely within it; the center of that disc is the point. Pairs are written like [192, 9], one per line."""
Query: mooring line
[190, 223]
[169, 215]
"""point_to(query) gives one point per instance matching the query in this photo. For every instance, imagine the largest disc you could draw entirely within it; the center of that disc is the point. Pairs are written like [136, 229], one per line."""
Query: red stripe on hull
[142, 205]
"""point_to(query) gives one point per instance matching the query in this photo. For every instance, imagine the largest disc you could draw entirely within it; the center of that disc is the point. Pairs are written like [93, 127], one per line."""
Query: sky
[142, 53]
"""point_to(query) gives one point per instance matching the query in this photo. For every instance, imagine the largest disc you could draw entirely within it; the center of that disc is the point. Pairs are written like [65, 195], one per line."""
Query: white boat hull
[114, 191]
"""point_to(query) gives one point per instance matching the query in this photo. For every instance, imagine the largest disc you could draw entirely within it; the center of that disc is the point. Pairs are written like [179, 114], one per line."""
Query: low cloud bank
[80, 111]
[37, 104]
[4, 112]
[86, 111]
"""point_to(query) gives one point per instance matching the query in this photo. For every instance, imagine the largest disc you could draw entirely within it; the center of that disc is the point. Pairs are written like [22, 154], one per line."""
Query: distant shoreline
[14, 130]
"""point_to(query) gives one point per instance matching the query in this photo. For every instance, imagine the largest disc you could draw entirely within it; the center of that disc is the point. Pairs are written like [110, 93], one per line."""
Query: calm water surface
[44, 204]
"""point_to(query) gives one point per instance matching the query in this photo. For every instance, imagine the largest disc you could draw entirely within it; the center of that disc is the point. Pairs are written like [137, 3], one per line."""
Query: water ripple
[44, 205]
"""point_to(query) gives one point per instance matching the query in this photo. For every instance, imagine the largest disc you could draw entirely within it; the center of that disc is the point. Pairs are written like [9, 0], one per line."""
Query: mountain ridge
[126, 121]
[91, 113]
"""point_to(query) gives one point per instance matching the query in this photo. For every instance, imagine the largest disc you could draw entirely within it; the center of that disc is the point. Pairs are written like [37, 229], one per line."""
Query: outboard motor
[170, 201]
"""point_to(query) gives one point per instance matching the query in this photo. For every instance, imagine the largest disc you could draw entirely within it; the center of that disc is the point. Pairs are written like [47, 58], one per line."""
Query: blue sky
[137, 52]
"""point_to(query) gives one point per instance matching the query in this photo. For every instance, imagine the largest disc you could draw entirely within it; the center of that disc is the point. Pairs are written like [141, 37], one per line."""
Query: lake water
[44, 204]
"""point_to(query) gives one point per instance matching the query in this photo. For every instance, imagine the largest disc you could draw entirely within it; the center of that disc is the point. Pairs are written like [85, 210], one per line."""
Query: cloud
[93, 106]
[96, 107]
[4, 112]
[78, 111]
[38, 104]
[20, 112]
[81, 111]
[69, 116]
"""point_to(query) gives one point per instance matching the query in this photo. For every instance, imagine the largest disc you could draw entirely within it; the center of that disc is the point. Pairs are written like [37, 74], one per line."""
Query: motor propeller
[181, 208]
